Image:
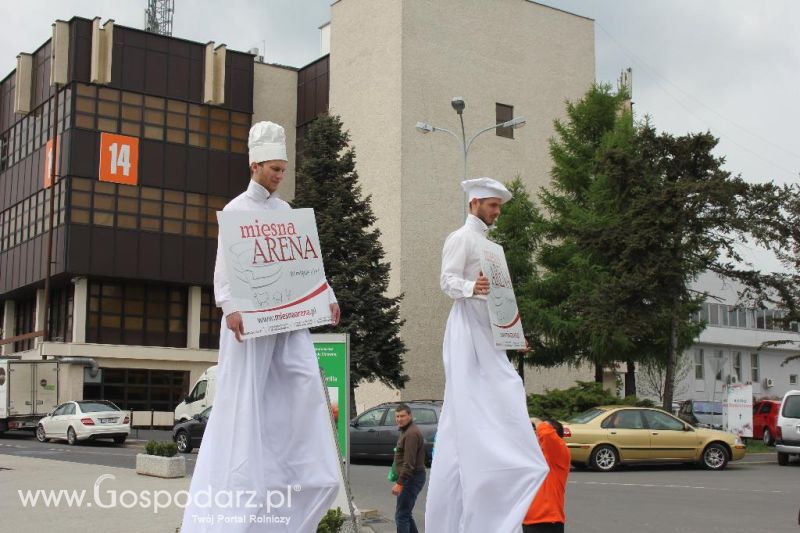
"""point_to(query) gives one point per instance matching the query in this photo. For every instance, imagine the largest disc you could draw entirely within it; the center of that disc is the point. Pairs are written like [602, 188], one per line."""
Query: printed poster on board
[274, 263]
[503, 312]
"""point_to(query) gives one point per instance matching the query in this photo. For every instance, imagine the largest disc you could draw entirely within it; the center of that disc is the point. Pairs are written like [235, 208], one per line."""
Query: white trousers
[487, 465]
[268, 458]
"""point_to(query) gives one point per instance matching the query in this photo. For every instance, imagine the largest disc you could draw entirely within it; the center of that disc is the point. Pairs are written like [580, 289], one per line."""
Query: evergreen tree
[574, 302]
[327, 181]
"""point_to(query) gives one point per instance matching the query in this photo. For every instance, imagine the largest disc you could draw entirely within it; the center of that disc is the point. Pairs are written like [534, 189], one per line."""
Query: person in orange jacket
[546, 513]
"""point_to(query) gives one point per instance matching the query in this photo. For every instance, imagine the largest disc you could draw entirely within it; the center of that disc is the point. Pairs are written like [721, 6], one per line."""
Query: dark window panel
[504, 113]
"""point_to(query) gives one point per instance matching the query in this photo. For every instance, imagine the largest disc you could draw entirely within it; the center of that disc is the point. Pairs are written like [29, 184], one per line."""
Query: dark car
[373, 434]
[189, 433]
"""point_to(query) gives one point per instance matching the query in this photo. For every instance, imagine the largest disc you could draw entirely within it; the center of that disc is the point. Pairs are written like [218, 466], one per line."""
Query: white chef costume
[270, 430]
[488, 465]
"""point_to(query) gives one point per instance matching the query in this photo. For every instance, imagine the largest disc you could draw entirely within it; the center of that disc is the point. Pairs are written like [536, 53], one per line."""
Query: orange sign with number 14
[119, 159]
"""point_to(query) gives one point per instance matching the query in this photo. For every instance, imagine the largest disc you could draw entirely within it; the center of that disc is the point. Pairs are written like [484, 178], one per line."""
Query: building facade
[732, 347]
[152, 141]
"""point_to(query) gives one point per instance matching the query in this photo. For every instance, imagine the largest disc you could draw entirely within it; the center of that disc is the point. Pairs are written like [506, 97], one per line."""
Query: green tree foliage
[327, 181]
[563, 404]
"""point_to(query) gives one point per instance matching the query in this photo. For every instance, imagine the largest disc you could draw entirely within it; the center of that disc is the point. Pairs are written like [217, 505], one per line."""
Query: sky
[731, 67]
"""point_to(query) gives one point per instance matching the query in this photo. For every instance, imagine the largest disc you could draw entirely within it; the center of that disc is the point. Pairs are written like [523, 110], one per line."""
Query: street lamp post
[459, 105]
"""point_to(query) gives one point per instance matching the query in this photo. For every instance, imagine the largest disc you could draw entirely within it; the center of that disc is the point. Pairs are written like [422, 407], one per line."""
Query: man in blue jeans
[409, 460]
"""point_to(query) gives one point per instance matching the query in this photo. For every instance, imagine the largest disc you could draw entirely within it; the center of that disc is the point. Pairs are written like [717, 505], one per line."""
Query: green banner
[332, 352]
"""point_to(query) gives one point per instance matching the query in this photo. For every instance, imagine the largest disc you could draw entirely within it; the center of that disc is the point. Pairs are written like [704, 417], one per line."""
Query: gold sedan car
[605, 437]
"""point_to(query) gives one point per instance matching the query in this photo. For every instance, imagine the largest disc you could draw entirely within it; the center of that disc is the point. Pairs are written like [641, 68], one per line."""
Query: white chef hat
[267, 142]
[485, 188]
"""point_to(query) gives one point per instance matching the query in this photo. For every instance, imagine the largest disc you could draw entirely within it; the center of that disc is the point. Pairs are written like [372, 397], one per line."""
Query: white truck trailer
[28, 391]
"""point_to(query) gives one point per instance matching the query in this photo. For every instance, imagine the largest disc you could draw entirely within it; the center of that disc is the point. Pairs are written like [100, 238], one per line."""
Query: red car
[765, 419]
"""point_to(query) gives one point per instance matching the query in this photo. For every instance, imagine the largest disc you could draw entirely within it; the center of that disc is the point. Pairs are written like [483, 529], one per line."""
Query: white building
[730, 349]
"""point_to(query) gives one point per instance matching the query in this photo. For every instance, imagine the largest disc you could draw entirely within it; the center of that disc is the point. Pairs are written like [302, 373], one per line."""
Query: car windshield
[586, 416]
[708, 408]
[791, 407]
[97, 406]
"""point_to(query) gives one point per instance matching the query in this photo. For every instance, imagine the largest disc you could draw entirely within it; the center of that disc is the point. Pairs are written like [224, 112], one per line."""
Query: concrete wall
[396, 63]
[275, 99]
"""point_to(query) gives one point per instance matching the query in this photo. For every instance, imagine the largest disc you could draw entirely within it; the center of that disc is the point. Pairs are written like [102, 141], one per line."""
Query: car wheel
[72, 438]
[604, 458]
[783, 459]
[182, 440]
[768, 440]
[120, 440]
[715, 457]
[41, 436]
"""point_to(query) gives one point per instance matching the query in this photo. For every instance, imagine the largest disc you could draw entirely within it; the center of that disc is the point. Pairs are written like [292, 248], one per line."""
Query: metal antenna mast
[158, 16]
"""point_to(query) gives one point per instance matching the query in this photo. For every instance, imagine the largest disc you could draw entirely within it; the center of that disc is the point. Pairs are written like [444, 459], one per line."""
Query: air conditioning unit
[732, 379]
[769, 383]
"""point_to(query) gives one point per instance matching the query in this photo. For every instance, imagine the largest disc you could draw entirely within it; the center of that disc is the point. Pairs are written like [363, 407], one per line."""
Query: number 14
[120, 157]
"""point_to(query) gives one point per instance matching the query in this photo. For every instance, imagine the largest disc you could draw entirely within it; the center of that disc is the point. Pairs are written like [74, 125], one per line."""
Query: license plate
[108, 420]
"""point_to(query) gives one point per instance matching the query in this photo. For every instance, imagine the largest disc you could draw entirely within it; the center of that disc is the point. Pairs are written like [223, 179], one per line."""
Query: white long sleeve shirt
[255, 198]
[461, 262]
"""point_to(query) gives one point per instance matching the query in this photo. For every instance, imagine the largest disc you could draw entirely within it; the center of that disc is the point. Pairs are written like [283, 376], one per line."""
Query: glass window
[210, 319]
[704, 313]
[742, 318]
[754, 368]
[504, 113]
[766, 407]
[586, 416]
[423, 416]
[699, 364]
[85, 105]
[154, 132]
[713, 317]
[371, 418]
[737, 365]
[625, 419]
[108, 109]
[724, 312]
[84, 121]
[791, 406]
[792, 379]
[154, 102]
[176, 136]
[132, 113]
[69, 409]
[760, 319]
[662, 421]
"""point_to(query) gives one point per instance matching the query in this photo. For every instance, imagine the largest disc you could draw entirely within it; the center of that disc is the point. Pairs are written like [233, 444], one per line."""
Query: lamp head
[424, 127]
[458, 104]
[515, 123]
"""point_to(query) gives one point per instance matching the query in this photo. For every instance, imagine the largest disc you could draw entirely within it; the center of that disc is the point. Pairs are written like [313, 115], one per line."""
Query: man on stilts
[268, 461]
[488, 465]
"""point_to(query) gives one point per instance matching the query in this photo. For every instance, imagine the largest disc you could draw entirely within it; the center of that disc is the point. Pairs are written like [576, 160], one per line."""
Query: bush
[563, 404]
[332, 521]
[150, 447]
[163, 449]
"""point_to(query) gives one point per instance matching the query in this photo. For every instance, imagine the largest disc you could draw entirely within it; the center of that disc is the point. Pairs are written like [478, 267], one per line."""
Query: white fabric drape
[488, 465]
[269, 436]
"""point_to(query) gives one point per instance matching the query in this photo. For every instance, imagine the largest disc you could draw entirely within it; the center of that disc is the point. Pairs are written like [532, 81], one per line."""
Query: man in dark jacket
[409, 460]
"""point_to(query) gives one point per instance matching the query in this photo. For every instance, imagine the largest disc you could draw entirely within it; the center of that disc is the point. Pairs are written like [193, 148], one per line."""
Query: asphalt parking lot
[750, 495]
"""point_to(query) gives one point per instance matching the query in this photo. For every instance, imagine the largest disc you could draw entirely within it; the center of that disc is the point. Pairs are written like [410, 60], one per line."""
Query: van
[202, 396]
[787, 440]
[701, 413]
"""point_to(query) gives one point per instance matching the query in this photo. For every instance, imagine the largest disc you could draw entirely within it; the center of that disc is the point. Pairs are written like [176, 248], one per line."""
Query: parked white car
[787, 441]
[84, 420]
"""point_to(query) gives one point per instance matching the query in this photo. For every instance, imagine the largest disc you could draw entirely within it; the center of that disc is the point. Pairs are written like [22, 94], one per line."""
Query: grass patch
[758, 446]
